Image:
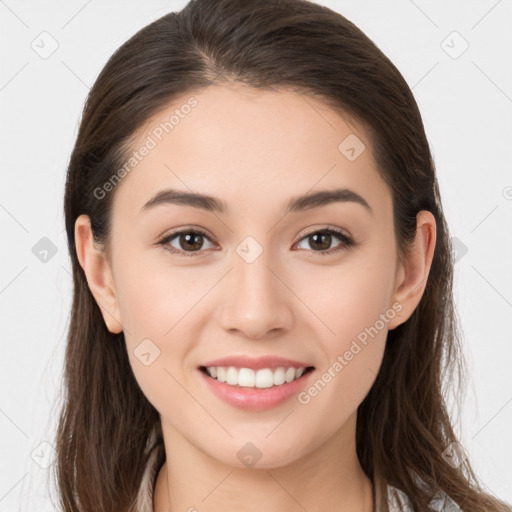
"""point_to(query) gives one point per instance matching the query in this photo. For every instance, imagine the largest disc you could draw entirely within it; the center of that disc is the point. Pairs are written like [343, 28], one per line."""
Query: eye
[322, 239]
[190, 241]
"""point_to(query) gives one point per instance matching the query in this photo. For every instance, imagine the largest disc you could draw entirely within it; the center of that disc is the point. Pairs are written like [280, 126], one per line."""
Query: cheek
[353, 349]
[352, 302]
[159, 305]
[349, 299]
[153, 296]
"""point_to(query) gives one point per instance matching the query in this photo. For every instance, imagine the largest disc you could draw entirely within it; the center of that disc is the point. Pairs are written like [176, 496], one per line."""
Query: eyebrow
[296, 204]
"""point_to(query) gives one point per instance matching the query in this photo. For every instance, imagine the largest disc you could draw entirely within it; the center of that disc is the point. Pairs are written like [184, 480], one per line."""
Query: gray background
[466, 101]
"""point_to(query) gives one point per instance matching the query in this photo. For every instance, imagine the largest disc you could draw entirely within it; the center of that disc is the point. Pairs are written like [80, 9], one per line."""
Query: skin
[255, 150]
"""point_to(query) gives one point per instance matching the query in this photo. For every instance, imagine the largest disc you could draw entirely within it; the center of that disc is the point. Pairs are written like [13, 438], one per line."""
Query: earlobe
[413, 275]
[98, 273]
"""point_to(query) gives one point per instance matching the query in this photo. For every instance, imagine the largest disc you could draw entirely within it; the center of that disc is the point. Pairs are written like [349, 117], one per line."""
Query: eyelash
[347, 242]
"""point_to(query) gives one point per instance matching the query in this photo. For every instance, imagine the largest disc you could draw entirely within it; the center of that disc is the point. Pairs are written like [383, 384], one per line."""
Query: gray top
[397, 500]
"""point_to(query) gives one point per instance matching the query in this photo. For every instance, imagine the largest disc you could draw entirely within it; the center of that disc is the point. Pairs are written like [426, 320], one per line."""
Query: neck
[328, 478]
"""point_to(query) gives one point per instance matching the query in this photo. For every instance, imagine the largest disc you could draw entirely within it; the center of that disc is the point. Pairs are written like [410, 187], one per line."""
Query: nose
[256, 302]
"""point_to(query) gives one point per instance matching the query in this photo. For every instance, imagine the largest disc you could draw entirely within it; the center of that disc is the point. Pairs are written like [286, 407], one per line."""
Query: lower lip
[255, 399]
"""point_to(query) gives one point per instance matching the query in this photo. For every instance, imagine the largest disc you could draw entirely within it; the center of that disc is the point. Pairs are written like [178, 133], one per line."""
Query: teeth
[221, 373]
[232, 376]
[249, 378]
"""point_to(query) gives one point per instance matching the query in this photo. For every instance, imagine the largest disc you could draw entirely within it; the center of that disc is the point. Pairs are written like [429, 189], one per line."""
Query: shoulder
[144, 499]
[398, 501]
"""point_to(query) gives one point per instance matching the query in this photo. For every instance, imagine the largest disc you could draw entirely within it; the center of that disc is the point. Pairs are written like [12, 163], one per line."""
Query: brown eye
[320, 241]
[185, 241]
[191, 240]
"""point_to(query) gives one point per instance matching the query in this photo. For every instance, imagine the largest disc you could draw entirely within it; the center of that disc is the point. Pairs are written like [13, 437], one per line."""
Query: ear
[98, 273]
[412, 275]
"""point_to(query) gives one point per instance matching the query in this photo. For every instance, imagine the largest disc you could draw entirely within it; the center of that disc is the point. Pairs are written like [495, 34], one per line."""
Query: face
[317, 284]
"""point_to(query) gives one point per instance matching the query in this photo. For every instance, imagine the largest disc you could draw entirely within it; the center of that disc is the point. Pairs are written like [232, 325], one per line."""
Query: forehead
[249, 147]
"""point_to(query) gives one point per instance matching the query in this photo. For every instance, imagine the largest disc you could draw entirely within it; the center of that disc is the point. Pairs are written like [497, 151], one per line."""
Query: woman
[262, 308]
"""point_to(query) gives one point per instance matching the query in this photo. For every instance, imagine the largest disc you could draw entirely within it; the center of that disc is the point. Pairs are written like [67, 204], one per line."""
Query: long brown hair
[107, 426]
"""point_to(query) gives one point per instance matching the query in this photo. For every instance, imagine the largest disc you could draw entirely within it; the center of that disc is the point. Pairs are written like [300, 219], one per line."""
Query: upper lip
[256, 363]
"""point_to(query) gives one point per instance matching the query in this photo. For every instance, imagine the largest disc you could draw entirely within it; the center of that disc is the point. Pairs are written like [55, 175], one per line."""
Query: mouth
[262, 378]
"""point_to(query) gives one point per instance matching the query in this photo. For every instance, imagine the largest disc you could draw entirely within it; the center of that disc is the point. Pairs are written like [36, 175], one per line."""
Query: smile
[255, 390]
[249, 378]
